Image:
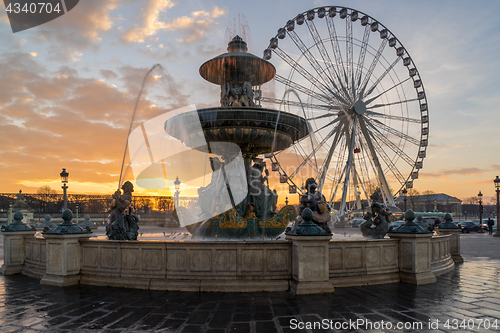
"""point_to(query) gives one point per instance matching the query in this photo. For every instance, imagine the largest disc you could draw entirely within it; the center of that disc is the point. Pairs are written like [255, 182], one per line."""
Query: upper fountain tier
[237, 65]
[254, 129]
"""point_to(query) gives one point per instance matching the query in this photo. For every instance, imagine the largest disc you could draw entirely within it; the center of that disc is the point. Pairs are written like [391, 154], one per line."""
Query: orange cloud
[50, 120]
[191, 27]
[149, 22]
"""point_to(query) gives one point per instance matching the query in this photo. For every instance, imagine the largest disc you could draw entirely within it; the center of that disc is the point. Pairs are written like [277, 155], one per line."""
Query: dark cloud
[108, 74]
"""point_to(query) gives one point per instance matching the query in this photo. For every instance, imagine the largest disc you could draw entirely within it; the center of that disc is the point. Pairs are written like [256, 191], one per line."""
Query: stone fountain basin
[253, 129]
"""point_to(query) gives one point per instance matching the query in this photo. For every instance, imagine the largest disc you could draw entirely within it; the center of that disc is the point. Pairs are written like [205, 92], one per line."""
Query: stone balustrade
[36, 257]
[362, 262]
[441, 258]
[188, 266]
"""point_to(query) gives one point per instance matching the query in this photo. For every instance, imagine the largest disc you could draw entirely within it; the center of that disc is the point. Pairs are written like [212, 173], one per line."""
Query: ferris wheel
[363, 97]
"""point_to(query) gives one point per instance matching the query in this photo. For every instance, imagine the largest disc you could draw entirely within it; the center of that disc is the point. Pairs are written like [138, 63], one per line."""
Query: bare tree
[429, 198]
[471, 201]
[412, 198]
[46, 195]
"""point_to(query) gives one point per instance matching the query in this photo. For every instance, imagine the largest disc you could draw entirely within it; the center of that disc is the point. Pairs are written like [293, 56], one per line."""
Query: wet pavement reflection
[470, 292]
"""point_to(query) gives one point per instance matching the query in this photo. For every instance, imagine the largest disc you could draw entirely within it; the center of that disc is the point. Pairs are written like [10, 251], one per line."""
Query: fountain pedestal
[310, 266]
[14, 251]
[310, 253]
[64, 253]
[415, 252]
[15, 235]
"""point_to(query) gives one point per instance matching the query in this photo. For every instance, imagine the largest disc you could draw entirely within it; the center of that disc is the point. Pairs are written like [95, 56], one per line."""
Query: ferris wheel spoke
[341, 117]
[313, 107]
[381, 77]
[388, 116]
[392, 167]
[394, 148]
[393, 103]
[393, 131]
[308, 76]
[349, 51]
[315, 150]
[309, 57]
[318, 42]
[385, 91]
[303, 89]
[341, 99]
[335, 43]
[326, 115]
[362, 55]
[395, 171]
[374, 63]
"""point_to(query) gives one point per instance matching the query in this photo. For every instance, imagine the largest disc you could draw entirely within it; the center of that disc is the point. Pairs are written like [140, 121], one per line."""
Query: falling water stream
[165, 77]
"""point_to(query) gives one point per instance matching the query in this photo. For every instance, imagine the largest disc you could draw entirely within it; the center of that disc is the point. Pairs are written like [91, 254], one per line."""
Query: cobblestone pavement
[470, 292]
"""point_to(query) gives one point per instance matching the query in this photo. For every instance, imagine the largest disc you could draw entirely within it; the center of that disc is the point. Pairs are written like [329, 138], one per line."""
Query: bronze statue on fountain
[315, 201]
[376, 225]
[122, 223]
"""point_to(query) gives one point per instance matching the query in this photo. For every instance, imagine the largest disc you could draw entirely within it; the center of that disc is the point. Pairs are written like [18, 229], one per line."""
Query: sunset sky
[68, 87]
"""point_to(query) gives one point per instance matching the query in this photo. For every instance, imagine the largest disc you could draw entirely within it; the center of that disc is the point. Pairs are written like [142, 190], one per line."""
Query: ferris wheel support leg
[384, 187]
[324, 170]
[348, 168]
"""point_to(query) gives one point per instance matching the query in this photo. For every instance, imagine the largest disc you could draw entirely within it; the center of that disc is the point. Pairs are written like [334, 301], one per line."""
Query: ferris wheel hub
[360, 107]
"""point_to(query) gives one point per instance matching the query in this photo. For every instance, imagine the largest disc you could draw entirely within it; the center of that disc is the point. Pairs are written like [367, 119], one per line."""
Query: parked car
[355, 223]
[469, 226]
[432, 221]
[395, 224]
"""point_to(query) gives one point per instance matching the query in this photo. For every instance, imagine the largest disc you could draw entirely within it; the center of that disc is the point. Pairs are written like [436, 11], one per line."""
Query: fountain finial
[237, 44]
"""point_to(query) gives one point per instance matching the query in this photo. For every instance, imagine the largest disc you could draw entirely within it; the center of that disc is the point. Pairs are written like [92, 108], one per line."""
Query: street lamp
[10, 211]
[497, 188]
[404, 192]
[64, 179]
[480, 196]
[177, 184]
[76, 213]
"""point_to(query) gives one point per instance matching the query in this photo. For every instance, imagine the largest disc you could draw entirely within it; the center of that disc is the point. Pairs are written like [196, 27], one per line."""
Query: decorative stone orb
[67, 215]
[410, 215]
[307, 214]
[18, 216]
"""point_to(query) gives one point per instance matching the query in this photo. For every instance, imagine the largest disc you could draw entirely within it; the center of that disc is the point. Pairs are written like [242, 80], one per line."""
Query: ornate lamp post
[76, 213]
[64, 179]
[177, 184]
[358, 197]
[404, 193]
[10, 212]
[497, 188]
[286, 201]
[480, 196]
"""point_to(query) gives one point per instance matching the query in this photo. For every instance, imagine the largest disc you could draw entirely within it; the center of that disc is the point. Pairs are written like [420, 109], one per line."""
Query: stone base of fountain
[228, 266]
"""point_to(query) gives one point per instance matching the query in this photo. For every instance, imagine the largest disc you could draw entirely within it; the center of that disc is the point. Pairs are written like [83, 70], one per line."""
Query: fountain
[236, 133]
[236, 204]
